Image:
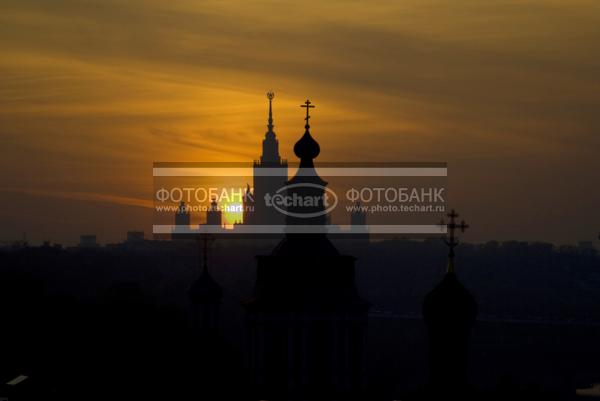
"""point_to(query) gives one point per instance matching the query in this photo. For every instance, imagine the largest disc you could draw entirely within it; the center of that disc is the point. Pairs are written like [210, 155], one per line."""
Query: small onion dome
[450, 303]
[307, 148]
[205, 290]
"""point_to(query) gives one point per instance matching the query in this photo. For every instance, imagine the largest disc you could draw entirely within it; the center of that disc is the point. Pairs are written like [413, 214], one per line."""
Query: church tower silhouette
[205, 296]
[449, 311]
[269, 175]
[306, 321]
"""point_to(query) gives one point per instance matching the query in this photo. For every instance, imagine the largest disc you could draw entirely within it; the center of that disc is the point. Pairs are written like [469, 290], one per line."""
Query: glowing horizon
[93, 93]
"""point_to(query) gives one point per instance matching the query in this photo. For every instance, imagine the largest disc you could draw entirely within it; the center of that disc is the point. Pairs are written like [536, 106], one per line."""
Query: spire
[452, 241]
[270, 96]
[270, 145]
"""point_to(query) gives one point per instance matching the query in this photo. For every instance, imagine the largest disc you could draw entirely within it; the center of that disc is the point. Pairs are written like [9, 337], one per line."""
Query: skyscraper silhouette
[214, 216]
[182, 222]
[270, 174]
[182, 215]
[306, 321]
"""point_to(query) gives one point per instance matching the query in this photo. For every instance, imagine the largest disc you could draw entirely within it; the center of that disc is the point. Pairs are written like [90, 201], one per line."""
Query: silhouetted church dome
[450, 302]
[205, 290]
[307, 147]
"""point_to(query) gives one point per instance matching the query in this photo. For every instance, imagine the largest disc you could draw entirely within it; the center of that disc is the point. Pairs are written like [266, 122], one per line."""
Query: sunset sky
[93, 92]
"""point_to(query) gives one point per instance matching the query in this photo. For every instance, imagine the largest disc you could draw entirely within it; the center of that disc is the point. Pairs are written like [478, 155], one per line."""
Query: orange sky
[92, 92]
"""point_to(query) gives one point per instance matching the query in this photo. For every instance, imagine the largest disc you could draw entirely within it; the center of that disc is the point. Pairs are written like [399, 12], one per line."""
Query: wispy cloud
[83, 197]
[98, 90]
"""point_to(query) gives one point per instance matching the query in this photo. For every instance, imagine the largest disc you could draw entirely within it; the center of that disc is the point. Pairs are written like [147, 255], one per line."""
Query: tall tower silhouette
[182, 215]
[182, 222]
[214, 215]
[270, 174]
[270, 145]
[306, 321]
[449, 311]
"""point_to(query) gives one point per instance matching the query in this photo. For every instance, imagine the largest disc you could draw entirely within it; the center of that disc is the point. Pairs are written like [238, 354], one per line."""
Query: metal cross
[452, 225]
[205, 239]
[308, 106]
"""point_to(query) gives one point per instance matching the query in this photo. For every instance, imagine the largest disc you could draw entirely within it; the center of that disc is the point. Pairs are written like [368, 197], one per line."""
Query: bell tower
[306, 320]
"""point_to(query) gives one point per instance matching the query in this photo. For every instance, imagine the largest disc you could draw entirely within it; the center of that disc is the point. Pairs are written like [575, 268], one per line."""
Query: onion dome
[450, 302]
[307, 148]
[205, 290]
